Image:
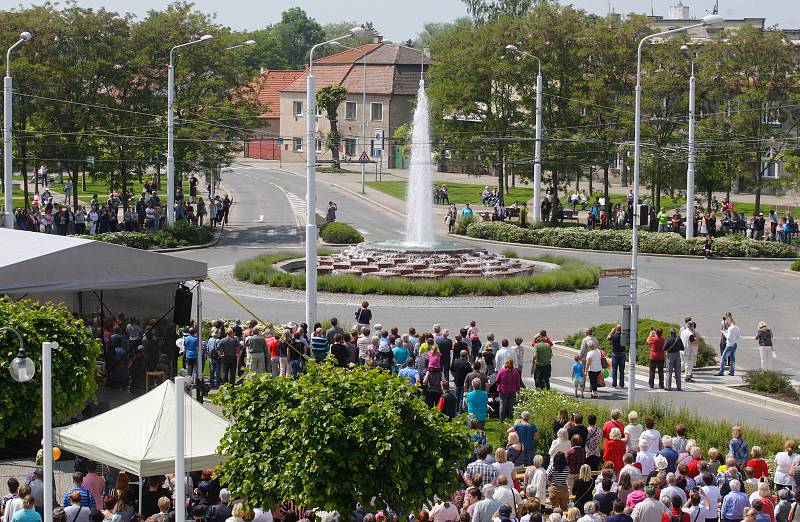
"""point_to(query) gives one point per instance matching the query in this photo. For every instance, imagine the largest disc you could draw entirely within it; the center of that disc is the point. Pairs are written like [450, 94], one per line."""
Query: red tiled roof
[268, 89]
[347, 56]
[391, 69]
[325, 75]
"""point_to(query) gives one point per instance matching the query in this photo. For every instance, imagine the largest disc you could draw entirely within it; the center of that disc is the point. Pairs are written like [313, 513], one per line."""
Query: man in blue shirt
[399, 351]
[734, 503]
[528, 435]
[190, 351]
[477, 401]
[466, 212]
[87, 500]
[410, 373]
[669, 453]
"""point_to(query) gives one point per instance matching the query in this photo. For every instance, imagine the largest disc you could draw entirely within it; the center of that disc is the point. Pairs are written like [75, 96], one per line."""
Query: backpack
[675, 518]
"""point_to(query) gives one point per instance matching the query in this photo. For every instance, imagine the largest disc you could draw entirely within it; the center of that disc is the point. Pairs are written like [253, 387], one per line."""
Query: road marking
[363, 232]
[261, 218]
[755, 268]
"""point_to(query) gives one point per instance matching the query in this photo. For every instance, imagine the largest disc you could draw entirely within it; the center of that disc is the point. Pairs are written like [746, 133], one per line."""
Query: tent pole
[180, 478]
[199, 365]
[141, 486]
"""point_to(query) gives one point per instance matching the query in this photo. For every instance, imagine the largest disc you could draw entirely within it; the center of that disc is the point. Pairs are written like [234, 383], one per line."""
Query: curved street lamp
[8, 162]
[22, 369]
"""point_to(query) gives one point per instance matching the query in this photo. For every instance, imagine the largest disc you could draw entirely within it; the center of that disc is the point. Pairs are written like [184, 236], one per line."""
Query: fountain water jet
[419, 196]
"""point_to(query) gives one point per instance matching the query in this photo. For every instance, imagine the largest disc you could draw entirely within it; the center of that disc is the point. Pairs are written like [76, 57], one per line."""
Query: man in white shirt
[651, 438]
[732, 336]
[506, 494]
[649, 509]
[632, 470]
[691, 343]
[698, 507]
[672, 490]
[485, 509]
[711, 493]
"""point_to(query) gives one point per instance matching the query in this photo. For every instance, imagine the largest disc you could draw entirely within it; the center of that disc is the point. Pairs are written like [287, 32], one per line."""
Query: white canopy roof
[32, 263]
[139, 437]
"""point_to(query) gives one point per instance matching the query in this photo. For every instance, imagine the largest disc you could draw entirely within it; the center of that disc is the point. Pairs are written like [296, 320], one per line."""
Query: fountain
[419, 255]
[419, 195]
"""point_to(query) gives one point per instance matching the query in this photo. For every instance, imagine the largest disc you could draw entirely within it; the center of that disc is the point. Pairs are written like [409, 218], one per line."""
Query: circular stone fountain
[450, 260]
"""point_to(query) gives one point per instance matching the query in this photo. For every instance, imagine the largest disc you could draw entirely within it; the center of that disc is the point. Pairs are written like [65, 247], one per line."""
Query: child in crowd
[578, 375]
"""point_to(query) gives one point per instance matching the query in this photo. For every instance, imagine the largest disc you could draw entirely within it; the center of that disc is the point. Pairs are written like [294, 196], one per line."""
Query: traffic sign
[614, 286]
[364, 158]
[279, 141]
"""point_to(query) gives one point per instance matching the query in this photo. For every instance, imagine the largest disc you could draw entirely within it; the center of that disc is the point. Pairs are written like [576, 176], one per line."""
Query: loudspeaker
[644, 215]
[182, 312]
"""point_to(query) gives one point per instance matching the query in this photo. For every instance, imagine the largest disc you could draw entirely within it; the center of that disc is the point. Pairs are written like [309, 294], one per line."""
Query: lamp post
[22, 369]
[171, 129]
[311, 174]
[691, 160]
[634, 307]
[8, 163]
[245, 44]
[537, 158]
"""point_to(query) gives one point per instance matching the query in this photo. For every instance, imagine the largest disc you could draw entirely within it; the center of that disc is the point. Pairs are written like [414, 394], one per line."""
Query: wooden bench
[512, 212]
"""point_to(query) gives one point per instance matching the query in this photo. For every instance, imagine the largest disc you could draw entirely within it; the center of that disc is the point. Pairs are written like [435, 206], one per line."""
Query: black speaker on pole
[182, 312]
[644, 215]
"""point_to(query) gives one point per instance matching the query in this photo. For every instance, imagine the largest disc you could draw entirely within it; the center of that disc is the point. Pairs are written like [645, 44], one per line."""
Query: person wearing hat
[765, 349]
[505, 514]
[650, 509]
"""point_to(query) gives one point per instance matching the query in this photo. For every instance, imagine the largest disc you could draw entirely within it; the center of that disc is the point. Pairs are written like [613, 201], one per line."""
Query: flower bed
[620, 241]
[182, 234]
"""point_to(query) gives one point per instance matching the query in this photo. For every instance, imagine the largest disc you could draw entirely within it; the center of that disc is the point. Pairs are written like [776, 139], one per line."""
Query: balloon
[56, 454]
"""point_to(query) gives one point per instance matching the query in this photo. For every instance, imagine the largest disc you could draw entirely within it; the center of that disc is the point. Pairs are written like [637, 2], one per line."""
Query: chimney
[263, 69]
[377, 39]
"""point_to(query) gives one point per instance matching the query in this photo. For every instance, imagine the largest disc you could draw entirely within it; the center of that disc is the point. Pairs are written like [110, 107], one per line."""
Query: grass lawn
[101, 187]
[459, 193]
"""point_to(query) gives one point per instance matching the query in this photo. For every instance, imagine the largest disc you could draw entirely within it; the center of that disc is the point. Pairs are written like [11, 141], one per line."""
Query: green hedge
[340, 234]
[572, 275]
[769, 382]
[544, 405]
[182, 234]
[705, 356]
[620, 241]
[795, 266]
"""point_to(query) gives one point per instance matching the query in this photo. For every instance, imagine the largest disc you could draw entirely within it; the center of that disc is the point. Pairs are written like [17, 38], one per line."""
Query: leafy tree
[335, 438]
[335, 30]
[432, 31]
[267, 52]
[330, 98]
[74, 367]
[483, 11]
[297, 33]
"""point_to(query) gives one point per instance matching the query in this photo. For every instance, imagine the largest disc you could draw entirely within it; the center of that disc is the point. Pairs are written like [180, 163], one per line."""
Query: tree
[335, 30]
[267, 52]
[483, 11]
[74, 365]
[335, 438]
[297, 33]
[330, 98]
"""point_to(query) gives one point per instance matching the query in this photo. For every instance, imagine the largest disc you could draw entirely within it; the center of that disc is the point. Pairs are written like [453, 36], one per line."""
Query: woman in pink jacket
[509, 383]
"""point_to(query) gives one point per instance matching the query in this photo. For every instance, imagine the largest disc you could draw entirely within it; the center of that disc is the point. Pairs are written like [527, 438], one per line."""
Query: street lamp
[22, 369]
[537, 159]
[245, 44]
[8, 165]
[311, 196]
[691, 160]
[171, 129]
[634, 309]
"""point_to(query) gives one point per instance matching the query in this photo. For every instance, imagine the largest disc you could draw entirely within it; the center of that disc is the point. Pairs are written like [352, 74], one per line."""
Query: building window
[297, 108]
[319, 145]
[297, 144]
[376, 110]
[350, 146]
[350, 110]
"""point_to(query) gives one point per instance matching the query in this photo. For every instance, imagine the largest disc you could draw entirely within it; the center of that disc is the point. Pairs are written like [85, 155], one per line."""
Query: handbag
[601, 381]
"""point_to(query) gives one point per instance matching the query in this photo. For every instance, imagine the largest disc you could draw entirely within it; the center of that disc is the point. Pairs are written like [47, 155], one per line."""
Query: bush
[573, 275]
[795, 266]
[769, 382]
[182, 234]
[462, 224]
[340, 234]
[705, 356]
[74, 366]
[620, 241]
[544, 405]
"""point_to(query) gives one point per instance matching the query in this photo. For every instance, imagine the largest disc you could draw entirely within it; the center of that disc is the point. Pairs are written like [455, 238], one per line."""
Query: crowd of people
[119, 211]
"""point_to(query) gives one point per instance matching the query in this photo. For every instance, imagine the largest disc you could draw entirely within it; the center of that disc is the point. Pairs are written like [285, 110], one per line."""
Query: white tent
[33, 263]
[139, 437]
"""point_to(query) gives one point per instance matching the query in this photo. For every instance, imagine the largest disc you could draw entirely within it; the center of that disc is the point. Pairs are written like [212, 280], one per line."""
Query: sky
[400, 20]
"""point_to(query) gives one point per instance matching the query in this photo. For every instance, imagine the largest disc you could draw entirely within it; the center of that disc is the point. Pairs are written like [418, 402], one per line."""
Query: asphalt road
[265, 218]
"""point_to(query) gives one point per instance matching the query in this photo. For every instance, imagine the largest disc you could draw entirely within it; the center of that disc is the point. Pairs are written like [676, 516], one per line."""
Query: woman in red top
[508, 384]
[758, 463]
[614, 449]
[656, 342]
